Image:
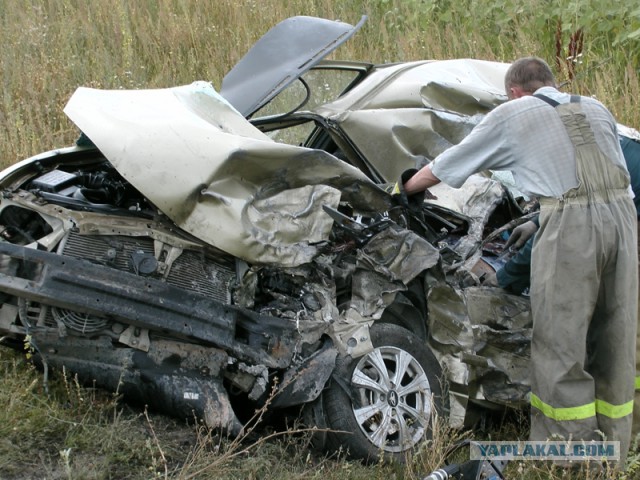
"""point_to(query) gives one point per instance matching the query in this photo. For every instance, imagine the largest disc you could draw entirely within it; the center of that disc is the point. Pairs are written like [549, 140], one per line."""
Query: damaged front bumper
[142, 302]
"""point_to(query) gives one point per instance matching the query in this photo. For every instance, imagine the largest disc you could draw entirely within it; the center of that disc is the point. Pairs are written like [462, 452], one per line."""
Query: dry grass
[51, 47]
[76, 432]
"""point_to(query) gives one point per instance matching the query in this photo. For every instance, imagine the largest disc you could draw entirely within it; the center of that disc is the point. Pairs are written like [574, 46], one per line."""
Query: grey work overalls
[584, 298]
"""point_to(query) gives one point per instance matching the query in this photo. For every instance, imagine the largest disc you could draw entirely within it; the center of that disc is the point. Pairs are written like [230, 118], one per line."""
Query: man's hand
[412, 201]
[521, 234]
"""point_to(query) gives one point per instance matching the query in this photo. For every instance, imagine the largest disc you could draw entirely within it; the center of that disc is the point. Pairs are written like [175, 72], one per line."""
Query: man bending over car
[516, 273]
[564, 150]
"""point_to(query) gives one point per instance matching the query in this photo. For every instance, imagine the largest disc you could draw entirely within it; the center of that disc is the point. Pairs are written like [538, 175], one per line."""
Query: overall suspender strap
[553, 103]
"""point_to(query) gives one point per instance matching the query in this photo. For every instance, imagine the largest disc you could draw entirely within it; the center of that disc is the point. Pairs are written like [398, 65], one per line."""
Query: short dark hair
[529, 73]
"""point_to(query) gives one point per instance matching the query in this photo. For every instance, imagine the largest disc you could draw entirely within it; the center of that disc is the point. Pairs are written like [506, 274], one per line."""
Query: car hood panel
[215, 175]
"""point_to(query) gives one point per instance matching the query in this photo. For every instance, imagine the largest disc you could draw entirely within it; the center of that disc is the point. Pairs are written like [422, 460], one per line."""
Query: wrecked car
[213, 252]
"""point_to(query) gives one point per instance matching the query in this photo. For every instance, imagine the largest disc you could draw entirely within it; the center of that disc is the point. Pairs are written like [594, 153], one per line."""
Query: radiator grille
[199, 272]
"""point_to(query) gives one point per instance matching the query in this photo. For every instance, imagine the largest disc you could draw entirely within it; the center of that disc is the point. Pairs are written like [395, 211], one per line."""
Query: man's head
[526, 75]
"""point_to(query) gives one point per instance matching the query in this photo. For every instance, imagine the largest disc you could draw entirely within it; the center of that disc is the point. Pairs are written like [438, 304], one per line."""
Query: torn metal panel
[401, 85]
[497, 309]
[411, 137]
[385, 266]
[502, 326]
[477, 199]
[450, 335]
[305, 382]
[482, 337]
[504, 380]
[307, 294]
[449, 325]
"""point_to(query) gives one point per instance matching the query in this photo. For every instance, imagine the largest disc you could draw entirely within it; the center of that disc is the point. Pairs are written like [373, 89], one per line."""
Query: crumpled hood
[218, 177]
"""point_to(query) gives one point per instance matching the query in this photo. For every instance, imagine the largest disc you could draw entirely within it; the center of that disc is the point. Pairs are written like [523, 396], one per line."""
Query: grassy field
[51, 47]
[58, 429]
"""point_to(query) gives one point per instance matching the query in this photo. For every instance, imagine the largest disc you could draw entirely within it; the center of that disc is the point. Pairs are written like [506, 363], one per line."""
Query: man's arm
[487, 146]
[515, 276]
[422, 180]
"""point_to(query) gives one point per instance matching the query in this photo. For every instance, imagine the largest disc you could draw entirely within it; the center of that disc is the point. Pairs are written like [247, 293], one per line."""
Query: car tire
[369, 414]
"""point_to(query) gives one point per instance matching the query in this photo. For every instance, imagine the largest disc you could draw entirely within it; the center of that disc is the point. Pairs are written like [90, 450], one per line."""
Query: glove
[521, 234]
[412, 202]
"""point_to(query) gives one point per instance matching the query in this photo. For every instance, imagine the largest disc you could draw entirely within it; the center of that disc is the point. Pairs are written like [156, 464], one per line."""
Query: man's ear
[516, 92]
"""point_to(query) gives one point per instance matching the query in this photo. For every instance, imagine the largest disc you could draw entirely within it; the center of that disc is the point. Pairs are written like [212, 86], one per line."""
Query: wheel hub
[393, 398]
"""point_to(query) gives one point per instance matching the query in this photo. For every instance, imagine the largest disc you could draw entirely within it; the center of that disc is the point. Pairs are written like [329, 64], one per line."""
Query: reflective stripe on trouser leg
[566, 284]
[580, 412]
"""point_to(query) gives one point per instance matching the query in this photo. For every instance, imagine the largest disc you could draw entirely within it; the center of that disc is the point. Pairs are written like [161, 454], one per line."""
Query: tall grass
[51, 47]
[75, 432]
[69, 431]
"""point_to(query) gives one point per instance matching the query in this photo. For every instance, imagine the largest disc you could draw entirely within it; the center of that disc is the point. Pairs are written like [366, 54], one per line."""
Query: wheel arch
[409, 310]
